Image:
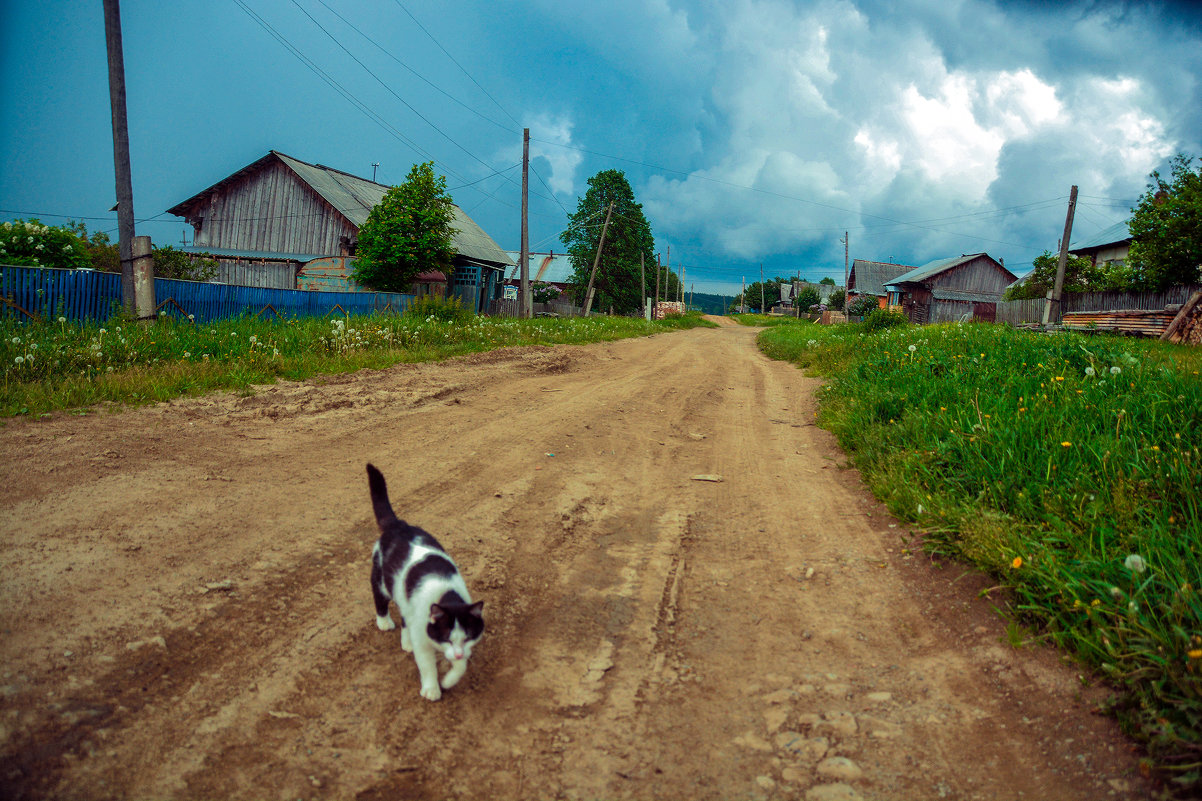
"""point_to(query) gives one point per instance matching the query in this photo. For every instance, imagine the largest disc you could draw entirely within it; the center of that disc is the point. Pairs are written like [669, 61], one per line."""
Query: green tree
[1080, 275]
[1166, 229]
[837, 299]
[767, 291]
[409, 231]
[807, 297]
[172, 263]
[828, 280]
[627, 239]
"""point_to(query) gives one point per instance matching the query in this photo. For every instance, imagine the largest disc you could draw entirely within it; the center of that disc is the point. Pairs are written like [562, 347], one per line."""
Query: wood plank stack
[1133, 322]
[1186, 327]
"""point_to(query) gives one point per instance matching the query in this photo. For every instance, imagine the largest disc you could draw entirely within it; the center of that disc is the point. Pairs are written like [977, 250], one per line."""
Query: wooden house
[306, 219]
[869, 278]
[946, 290]
[1110, 245]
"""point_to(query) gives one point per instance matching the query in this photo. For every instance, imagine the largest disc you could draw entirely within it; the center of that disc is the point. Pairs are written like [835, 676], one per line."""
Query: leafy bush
[836, 299]
[433, 307]
[172, 263]
[543, 292]
[879, 319]
[36, 245]
[862, 305]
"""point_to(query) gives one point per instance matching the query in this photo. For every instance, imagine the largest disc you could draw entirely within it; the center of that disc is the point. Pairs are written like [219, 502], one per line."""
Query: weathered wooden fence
[511, 308]
[87, 295]
[269, 275]
[1017, 312]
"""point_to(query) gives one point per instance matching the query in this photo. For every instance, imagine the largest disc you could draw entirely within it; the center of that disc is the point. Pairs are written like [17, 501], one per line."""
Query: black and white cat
[437, 614]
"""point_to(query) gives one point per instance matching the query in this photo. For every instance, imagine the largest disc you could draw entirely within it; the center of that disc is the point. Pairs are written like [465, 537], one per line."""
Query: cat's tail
[379, 497]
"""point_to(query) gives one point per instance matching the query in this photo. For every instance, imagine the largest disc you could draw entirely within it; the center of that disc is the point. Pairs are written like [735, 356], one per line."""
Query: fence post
[144, 304]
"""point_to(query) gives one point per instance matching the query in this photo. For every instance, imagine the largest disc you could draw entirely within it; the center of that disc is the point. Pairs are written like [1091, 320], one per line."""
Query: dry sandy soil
[185, 606]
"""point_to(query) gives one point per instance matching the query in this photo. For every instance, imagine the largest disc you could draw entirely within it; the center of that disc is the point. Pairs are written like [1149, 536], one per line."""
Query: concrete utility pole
[374, 165]
[763, 307]
[588, 294]
[1054, 293]
[125, 189]
[525, 298]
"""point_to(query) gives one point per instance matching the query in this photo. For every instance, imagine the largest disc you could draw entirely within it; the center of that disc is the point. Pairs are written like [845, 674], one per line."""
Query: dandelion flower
[1017, 563]
[20, 360]
[1116, 370]
[1135, 563]
[1195, 653]
[62, 319]
[1089, 371]
[1067, 444]
[913, 348]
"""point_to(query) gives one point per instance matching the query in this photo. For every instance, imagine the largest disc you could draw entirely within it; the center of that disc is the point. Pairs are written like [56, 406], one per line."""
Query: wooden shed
[281, 205]
[869, 278]
[946, 290]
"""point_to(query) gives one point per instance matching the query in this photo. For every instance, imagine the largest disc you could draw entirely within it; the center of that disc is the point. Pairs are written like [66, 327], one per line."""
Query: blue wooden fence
[86, 295]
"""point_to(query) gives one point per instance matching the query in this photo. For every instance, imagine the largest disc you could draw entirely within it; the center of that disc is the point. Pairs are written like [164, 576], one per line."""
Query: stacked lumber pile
[1134, 322]
[1186, 327]
[667, 308]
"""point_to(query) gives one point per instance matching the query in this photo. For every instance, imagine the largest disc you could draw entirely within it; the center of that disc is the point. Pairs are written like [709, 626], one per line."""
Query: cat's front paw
[431, 692]
[385, 623]
[406, 643]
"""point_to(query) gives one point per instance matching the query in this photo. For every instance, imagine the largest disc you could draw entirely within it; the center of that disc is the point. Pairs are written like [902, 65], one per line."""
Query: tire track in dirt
[648, 635]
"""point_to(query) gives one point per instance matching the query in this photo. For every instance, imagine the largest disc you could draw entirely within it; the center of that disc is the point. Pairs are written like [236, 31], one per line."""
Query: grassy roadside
[56, 365]
[1067, 466]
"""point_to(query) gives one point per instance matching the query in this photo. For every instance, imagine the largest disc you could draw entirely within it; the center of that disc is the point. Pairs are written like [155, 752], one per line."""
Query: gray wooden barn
[946, 290]
[297, 217]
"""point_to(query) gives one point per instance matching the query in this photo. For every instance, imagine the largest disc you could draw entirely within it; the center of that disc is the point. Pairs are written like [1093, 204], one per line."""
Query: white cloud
[564, 161]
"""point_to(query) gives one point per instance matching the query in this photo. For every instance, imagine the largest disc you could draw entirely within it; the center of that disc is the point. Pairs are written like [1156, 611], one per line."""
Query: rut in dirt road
[186, 609]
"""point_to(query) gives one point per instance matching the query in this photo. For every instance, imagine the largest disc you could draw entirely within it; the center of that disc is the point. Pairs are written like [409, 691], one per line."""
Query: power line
[456, 63]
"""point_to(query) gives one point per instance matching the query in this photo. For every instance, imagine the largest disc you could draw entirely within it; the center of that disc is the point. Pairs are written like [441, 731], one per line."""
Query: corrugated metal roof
[554, 268]
[250, 255]
[919, 274]
[354, 198]
[871, 276]
[1115, 234]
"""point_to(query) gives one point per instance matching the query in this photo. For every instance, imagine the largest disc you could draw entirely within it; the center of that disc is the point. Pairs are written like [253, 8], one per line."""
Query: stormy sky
[753, 132]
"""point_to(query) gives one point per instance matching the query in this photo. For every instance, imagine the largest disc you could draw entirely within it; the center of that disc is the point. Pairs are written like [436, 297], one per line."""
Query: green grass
[56, 365]
[1068, 466]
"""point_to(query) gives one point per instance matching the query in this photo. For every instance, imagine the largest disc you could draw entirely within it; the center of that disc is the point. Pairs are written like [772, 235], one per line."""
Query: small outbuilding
[965, 287]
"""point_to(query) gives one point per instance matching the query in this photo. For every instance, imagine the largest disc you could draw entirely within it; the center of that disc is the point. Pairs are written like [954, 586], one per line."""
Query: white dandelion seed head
[1135, 563]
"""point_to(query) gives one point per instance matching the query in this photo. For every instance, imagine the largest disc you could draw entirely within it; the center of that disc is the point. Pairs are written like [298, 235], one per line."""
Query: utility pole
[588, 294]
[667, 273]
[659, 268]
[1054, 293]
[374, 165]
[526, 301]
[763, 308]
[125, 189]
[642, 288]
[743, 297]
[683, 271]
[692, 288]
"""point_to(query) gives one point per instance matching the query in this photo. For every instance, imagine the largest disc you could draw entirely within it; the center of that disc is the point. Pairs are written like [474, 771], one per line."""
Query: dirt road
[186, 614]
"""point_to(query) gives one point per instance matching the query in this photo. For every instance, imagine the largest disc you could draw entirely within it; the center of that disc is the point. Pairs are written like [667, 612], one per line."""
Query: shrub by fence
[87, 295]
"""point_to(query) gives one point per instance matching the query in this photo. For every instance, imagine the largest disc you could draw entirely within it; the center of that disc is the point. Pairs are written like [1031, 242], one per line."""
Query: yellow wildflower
[1195, 654]
[1017, 563]
[1067, 444]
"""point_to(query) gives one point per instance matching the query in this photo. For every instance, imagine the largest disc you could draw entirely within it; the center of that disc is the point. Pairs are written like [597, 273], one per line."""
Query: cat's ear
[476, 609]
[437, 613]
